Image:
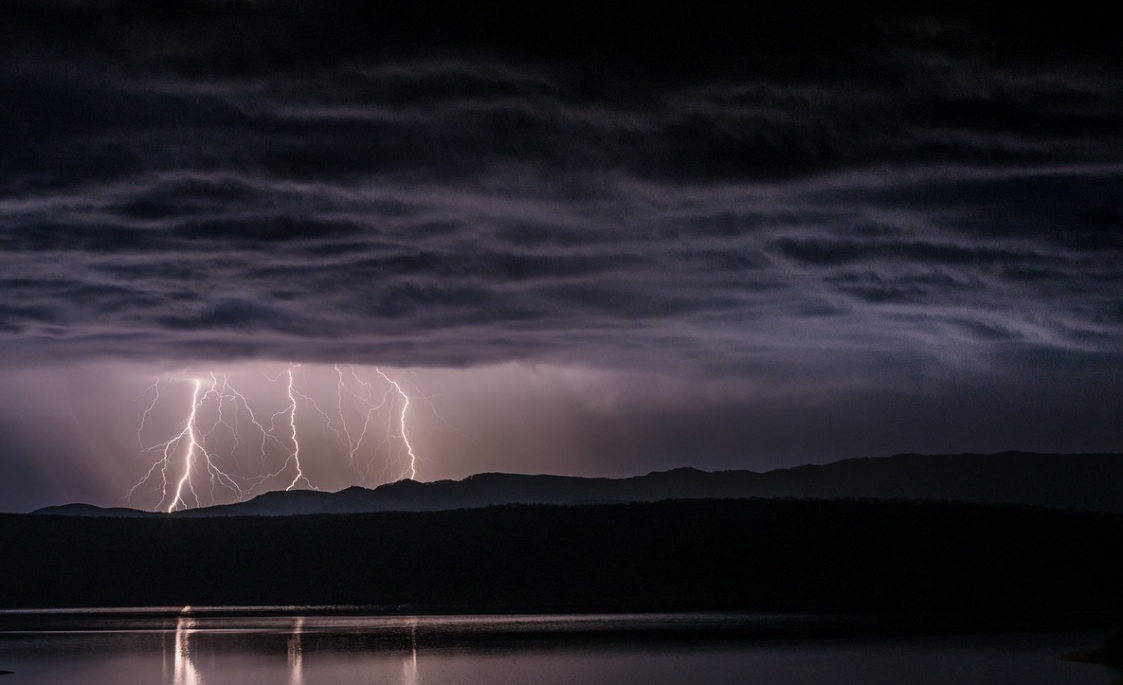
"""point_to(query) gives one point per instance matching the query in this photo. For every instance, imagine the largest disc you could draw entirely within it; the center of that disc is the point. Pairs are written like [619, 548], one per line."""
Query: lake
[317, 647]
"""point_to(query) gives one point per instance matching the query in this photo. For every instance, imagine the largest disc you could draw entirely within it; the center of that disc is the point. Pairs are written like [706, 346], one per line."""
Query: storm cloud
[850, 195]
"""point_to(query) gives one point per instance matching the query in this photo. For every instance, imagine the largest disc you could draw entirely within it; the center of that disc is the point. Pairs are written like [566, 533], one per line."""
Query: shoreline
[436, 629]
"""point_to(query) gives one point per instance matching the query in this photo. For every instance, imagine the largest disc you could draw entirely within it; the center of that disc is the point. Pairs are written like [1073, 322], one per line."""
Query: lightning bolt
[214, 432]
[403, 433]
[194, 438]
[195, 447]
[295, 443]
[155, 387]
[188, 461]
[167, 449]
[365, 402]
[321, 412]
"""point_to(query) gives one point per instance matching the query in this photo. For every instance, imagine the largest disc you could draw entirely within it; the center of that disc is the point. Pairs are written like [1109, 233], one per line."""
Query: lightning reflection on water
[184, 671]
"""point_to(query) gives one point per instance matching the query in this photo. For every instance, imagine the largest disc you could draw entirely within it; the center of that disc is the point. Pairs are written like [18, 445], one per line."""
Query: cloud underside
[934, 209]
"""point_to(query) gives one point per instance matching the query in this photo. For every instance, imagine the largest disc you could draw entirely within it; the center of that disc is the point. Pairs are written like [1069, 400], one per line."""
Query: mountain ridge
[1087, 481]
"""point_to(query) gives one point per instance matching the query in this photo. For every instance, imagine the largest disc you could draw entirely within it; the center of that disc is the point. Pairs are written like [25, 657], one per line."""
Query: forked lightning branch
[224, 450]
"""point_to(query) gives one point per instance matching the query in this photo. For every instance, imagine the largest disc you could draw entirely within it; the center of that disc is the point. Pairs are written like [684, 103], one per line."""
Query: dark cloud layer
[848, 193]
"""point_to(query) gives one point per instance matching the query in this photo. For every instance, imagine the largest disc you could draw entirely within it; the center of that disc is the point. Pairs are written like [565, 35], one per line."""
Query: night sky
[587, 238]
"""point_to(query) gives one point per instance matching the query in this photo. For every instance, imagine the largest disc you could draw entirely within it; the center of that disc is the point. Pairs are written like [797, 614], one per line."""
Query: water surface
[157, 647]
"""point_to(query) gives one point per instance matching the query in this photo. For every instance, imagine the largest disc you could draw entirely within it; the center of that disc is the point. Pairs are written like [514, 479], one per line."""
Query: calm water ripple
[158, 647]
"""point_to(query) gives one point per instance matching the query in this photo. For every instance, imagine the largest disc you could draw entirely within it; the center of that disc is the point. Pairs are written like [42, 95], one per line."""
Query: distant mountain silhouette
[1091, 482]
[94, 511]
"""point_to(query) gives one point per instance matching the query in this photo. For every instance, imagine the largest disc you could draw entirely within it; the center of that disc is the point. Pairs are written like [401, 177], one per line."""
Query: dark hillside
[767, 555]
[1092, 482]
